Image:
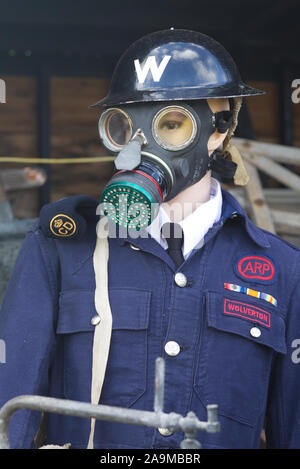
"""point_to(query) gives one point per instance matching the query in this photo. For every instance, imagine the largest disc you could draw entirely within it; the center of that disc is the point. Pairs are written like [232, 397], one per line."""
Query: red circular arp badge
[255, 268]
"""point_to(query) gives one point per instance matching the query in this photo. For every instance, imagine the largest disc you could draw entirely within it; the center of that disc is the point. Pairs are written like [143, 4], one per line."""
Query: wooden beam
[272, 196]
[286, 113]
[286, 222]
[275, 170]
[259, 209]
[274, 151]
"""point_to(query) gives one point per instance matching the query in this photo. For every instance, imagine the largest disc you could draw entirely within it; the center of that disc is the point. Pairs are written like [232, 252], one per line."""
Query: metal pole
[159, 385]
[189, 424]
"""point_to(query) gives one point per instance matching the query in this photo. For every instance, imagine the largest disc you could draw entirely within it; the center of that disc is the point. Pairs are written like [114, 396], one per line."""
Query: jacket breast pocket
[125, 378]
[239, 338]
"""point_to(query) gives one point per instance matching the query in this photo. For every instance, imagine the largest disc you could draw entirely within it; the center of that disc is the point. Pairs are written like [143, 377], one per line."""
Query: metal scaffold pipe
[157, 419]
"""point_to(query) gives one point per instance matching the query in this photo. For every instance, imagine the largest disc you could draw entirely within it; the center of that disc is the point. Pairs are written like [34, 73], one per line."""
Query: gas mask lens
[174, 128]
[115, 129]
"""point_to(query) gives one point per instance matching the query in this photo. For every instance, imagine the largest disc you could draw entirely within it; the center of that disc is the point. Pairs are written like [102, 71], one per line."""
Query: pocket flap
[239, 315]
[129, 307]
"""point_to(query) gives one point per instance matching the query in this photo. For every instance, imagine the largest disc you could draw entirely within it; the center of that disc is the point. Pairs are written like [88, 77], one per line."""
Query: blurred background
[57, 57]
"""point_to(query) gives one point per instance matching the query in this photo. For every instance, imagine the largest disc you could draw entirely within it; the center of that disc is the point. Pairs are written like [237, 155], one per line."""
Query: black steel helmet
[175, 64]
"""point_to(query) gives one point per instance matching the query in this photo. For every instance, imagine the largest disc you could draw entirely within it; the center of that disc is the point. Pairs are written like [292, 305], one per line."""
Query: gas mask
[161, 150]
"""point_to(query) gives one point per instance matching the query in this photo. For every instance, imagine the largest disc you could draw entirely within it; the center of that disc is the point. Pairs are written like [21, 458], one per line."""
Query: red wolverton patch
[246, 311]
[255, 268]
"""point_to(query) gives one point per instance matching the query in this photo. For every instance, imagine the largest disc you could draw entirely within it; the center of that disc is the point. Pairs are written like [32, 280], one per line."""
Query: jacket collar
[230, 209]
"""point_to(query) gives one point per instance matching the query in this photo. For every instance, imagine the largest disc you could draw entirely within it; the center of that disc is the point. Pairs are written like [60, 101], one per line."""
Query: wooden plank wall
[18, 117]
[18, 136]
[74, 127]
[74, 133]
[264, 112]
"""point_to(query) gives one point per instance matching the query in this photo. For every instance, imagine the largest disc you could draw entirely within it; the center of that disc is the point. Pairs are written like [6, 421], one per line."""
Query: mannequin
[223, 319]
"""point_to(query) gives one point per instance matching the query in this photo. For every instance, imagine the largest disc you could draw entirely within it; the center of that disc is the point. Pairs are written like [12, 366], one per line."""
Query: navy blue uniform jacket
[46, 316]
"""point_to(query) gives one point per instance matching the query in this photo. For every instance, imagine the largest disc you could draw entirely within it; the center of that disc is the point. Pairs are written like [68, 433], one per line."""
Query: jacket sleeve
[283, 415]
[27, 329]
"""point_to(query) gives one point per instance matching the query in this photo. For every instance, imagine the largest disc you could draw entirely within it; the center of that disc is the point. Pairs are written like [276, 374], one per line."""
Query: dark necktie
[173, 234]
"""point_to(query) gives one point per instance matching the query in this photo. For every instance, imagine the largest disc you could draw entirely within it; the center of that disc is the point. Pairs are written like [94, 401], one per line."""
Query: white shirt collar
[196, 225]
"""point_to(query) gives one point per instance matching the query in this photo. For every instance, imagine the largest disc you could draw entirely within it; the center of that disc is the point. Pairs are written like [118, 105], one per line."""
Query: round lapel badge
[62, 225]
[256, 268]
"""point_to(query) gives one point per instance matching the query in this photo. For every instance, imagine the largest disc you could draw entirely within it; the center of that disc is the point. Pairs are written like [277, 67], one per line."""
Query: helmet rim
[200, 68]
[184, 94]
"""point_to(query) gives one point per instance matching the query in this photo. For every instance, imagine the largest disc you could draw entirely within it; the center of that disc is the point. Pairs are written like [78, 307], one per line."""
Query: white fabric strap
[102, 334]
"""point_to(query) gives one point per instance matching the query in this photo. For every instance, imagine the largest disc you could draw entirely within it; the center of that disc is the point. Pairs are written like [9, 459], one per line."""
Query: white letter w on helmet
[151, 65]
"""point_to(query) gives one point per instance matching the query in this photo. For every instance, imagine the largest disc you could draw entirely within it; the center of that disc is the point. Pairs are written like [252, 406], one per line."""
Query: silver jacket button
[172, 348]
[95, 320]
[255, 332]
[134, 247]
[165, 431]
[180, 279]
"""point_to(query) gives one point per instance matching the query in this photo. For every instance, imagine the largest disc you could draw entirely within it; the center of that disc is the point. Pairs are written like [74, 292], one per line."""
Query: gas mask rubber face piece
[161, 150]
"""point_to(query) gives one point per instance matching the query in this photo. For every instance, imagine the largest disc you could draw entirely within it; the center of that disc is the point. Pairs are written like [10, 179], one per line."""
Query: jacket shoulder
[67, 218]
[274, 239]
